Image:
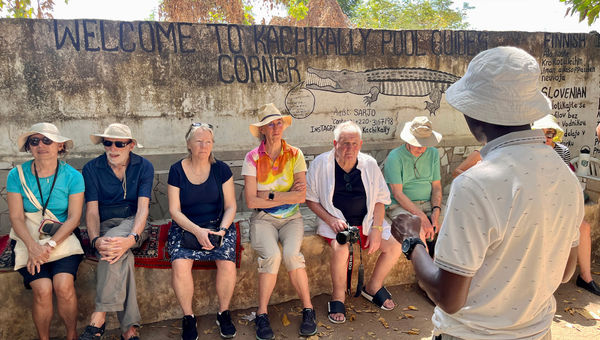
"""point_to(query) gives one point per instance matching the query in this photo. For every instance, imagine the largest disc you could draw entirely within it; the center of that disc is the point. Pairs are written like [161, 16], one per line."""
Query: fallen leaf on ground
[284, 320]
[587, 314]
[406, 316]
[352, 317]
[208, 331]
[384, 323]
[313, 337]
[412, 331]
[243, 322]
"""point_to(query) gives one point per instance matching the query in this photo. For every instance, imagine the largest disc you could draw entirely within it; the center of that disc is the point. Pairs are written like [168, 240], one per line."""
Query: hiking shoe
[263, 327]
[308, 326]
[227, 328]
[188, 325]
[90, 333]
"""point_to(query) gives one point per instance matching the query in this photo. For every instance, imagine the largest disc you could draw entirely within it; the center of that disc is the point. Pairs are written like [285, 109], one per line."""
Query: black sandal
[90, 333]
[378, 298]
[335, 307]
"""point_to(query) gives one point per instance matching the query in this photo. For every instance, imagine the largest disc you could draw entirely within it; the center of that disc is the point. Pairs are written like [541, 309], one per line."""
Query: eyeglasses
[195, 125]
[273, 124]
[35, 141]
[347, 179]
[119, 145]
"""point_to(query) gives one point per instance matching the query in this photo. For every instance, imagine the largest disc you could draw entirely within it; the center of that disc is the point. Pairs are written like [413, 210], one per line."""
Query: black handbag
[189, 240]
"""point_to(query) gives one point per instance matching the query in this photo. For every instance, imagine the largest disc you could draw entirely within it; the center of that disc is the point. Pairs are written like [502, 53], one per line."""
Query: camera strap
[361, 270]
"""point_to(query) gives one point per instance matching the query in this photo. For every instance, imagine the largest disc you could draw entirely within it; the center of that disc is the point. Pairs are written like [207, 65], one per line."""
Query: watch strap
[413, 241]
[135, 236]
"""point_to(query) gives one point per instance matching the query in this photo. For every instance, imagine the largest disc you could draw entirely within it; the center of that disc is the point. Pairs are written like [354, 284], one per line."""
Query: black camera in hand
[351, 234]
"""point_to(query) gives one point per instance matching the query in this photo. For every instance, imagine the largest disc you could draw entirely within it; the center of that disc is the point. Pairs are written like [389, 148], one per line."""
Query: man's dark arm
[447, 290]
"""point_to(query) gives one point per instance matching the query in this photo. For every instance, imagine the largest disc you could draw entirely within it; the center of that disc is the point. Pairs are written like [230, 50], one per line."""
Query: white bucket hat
[501, 86]
[266, 114]
[549, 122]
[115, 130]
[419, 132]
[47, 129]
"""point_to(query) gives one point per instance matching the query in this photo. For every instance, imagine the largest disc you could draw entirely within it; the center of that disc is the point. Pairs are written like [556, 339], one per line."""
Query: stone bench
[158, 302]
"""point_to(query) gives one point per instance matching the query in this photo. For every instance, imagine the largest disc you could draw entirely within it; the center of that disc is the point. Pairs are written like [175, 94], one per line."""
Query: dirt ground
[574, 318]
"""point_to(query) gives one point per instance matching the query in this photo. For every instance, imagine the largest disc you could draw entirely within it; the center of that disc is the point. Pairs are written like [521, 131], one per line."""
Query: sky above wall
[490, 15]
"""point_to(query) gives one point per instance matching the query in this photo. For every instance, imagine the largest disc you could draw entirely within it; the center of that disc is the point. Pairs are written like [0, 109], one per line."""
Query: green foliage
[585, 8]
[410, 14]
[25, 9]
[349, 7]
[297, 9]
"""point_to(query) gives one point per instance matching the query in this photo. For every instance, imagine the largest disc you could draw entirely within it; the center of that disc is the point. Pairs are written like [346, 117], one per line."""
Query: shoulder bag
[35, 221]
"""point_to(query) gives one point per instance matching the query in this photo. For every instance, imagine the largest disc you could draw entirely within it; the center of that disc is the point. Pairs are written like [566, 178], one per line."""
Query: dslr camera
[349, 235]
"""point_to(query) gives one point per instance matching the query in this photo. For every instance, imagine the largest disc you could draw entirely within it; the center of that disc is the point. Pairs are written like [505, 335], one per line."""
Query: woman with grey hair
[47, 190]
[275, 184]
[202, 204]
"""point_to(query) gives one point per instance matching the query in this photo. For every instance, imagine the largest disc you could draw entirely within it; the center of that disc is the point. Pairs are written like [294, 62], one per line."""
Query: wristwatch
[135, 236]
[271, 196]
[409, 244]
[51, 243]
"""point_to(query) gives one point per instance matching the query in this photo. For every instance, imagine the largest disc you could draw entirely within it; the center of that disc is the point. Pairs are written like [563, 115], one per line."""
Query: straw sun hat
[501, 86]
[418, 132]
[549, 122]
[266, 114]
[47, 129]
[117, 131]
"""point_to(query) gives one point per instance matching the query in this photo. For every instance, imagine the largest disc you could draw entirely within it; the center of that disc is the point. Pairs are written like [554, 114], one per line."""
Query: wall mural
[404, 82]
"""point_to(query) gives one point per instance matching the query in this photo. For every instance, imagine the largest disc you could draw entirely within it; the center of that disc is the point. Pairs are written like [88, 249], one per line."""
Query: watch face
[405, 245]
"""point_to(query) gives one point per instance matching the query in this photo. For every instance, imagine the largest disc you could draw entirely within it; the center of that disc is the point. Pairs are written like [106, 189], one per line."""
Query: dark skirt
[225, 252]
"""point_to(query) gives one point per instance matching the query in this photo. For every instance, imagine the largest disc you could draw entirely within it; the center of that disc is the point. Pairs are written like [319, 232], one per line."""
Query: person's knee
[42, 293]
[269, 262]
[391, 247]
[293, 260]
[64, 290]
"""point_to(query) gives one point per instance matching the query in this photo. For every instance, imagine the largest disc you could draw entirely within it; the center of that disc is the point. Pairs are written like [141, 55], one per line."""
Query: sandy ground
[410, 320]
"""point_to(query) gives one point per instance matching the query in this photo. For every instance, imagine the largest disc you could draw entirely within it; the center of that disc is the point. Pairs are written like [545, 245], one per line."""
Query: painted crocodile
[406, 82]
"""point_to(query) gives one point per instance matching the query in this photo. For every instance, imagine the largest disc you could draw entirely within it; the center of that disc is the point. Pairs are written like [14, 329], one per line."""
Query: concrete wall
[160, 77]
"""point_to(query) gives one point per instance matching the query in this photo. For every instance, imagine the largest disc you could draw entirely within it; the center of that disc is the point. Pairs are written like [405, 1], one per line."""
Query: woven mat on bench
[152, 254]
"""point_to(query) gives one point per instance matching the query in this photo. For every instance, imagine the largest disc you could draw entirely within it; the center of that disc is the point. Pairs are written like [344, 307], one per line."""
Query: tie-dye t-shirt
[275, 175]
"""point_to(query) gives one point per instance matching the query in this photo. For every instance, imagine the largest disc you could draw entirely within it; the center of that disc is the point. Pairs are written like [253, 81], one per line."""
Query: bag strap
[29, 194]
[218, 180]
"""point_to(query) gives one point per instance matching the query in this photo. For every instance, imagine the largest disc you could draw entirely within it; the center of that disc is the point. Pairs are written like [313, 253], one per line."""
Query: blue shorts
[69, 264]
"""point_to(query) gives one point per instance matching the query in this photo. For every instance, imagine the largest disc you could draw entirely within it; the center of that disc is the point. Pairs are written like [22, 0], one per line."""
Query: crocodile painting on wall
[406, 82]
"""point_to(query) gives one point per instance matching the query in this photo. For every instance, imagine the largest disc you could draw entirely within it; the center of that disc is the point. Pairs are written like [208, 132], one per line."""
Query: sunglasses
[35, 141]
[347, 179]
[198, 124]
[119, 145]
[550, 134]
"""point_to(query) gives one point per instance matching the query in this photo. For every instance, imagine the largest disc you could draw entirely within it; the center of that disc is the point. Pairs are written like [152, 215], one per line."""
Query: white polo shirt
[511, 222]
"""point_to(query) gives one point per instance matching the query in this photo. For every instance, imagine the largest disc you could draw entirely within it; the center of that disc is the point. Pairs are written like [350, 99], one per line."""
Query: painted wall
[160, 77]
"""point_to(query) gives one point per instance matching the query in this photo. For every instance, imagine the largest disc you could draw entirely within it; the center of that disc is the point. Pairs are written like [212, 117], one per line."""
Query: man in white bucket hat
[118, 187]
[412, 172]
[501, 253]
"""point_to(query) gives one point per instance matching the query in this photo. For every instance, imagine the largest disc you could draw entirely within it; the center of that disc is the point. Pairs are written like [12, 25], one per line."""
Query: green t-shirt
[401, 167]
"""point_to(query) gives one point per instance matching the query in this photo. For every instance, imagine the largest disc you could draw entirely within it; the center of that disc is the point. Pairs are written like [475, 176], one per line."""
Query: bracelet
[94, 242]
[436, 206]
[223, 228]
[378, 227]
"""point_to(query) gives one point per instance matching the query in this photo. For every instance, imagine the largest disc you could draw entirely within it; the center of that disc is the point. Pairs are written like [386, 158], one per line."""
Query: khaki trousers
[115, 283]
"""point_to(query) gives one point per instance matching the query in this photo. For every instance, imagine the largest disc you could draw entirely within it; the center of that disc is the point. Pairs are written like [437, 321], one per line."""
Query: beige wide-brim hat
[115, 130]
[419, 132]
[549, 122]
[501, 86]
[266, 114]
[47, 129]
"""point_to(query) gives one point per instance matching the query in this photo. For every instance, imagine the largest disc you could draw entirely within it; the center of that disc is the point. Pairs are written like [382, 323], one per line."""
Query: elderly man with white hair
[345, 189]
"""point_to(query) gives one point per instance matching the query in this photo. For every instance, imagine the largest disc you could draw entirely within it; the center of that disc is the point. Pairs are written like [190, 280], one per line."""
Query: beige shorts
[395, 209]
[265, 233]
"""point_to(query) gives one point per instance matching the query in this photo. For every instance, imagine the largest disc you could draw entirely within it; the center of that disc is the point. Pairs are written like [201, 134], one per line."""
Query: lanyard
[37, 179]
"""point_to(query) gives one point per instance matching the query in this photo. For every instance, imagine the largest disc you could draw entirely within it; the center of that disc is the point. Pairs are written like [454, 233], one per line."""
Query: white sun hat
[47, 129]
[419, 132]
[266, 114]
[549, 122]
[501, 86]
[117, 131]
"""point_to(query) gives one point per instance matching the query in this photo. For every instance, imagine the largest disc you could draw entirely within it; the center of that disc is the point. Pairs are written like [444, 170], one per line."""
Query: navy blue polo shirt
[103, 186]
